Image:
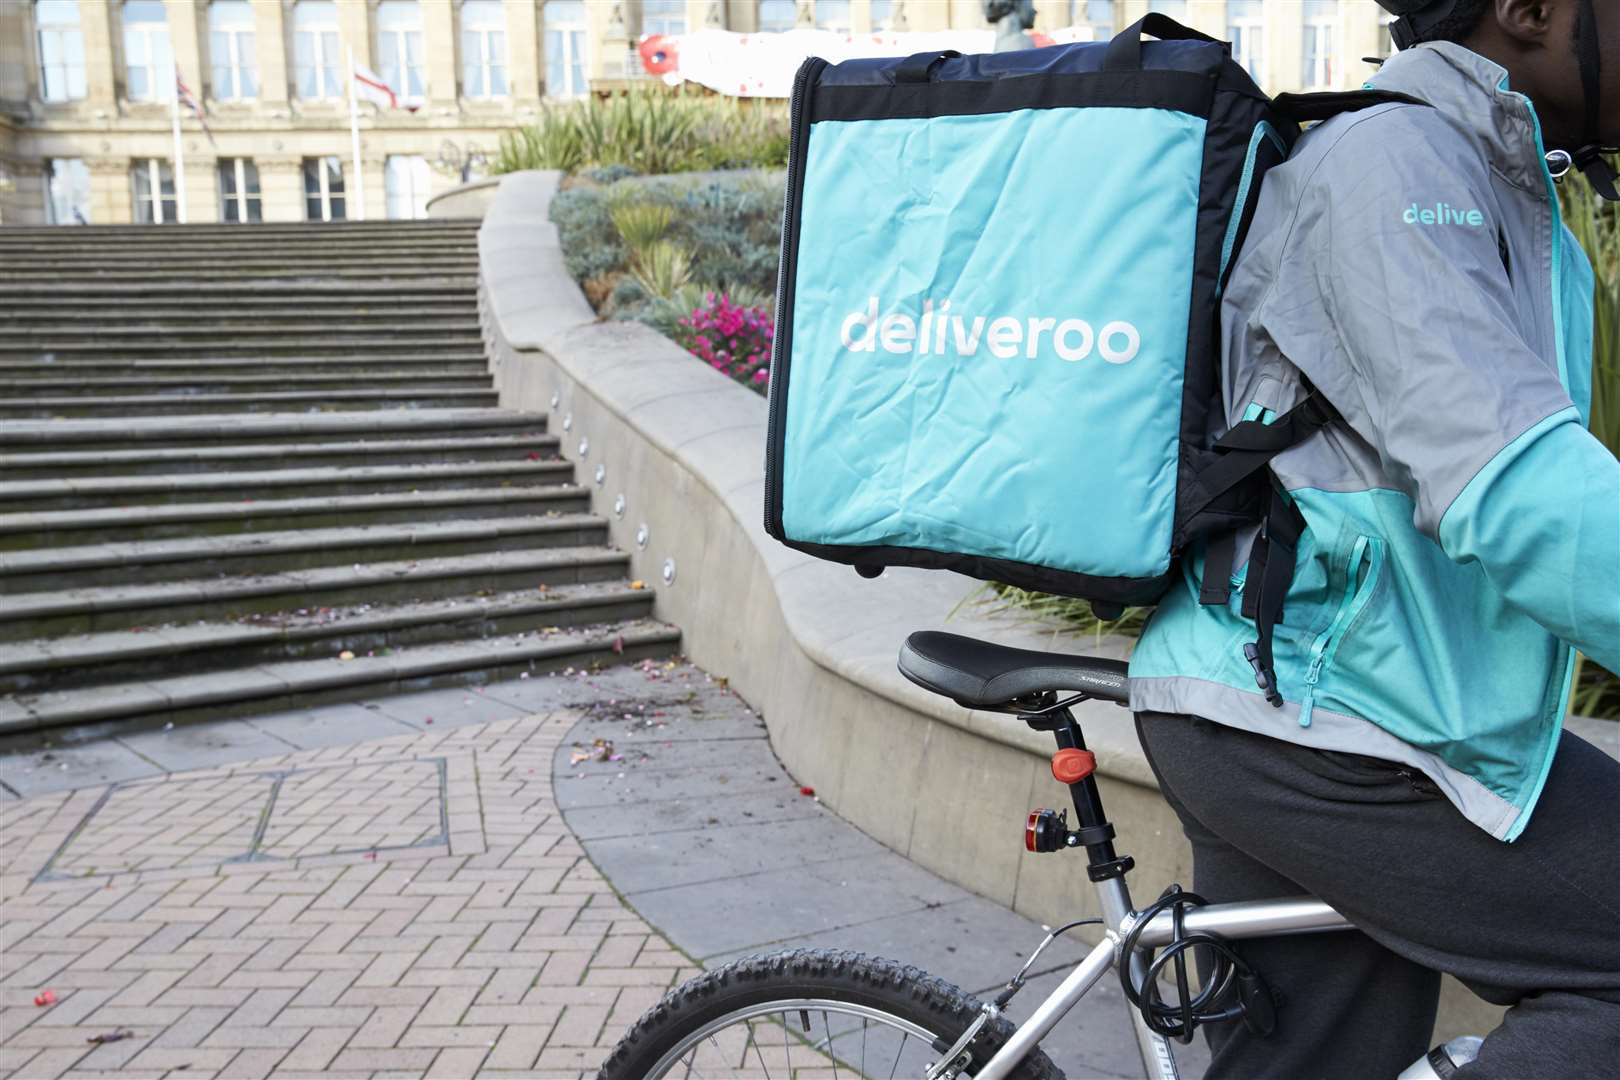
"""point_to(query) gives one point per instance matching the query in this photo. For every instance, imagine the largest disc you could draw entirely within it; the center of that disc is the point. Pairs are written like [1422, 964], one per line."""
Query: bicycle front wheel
[809, 1013]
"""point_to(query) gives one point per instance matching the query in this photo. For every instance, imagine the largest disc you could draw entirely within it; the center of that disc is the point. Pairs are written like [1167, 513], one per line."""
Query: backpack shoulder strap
[1311, 108]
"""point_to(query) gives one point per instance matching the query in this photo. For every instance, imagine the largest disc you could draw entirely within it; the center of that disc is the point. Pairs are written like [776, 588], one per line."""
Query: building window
[565, 48]
[154, 192]
[663, 17]
[230, 51]
[833, 15]
[148, 60]
[408, 182]
[61, 50]
[777, 16]
[1320, 18]
[323, 189]
[67, 192]
[1245, 25]
[1096, 14]
[483, 49]
[239, 191]
[1176, 9]
[315, 49]
[882, 14]
[399, 47]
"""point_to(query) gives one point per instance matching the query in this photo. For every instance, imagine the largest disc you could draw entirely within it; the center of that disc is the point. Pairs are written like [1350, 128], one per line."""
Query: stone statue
[1011, 18]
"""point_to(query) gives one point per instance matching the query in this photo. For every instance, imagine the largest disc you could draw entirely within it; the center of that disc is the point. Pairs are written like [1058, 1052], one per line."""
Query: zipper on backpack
[1368, 550]
[781, 350]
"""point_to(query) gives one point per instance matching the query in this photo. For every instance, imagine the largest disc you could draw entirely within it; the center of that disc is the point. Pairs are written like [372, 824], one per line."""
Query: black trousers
[1534, 924]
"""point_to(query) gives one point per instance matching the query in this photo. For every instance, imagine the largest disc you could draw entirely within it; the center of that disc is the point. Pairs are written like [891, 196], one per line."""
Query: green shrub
[661, 267]
[641, 224]
[652, 131]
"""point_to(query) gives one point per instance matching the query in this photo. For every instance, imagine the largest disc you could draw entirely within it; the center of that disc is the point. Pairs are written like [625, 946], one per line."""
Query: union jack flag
[183, 95]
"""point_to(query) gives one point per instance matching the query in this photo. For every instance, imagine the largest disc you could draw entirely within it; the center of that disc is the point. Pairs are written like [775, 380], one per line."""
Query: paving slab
[333, 725]
[43, 769]
[201, 746]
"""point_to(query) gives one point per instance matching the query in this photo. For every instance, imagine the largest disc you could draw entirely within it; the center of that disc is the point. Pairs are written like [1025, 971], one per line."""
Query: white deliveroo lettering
[898, 333]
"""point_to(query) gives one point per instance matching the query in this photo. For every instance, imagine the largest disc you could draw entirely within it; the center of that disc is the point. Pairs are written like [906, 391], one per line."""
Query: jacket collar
[1472, 92]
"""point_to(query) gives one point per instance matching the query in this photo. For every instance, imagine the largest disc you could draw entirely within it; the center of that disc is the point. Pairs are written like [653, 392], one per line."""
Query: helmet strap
[1589, 158]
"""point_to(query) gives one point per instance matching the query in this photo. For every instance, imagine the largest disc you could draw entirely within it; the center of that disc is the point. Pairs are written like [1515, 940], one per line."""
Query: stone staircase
[246, 468]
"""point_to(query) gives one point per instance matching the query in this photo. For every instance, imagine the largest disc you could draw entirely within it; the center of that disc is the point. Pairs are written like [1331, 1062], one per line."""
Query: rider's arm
[1425, 360]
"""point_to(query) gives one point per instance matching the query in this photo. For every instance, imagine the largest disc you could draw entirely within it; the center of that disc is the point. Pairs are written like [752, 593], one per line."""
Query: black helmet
[1417, 19]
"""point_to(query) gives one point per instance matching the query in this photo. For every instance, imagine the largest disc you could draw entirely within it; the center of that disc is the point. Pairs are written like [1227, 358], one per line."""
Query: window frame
[776, 26]
[52, 216]
[321, 35]
[661, 21]
[70, 43]
[249, 204]
[573, 30]
[153, 36]
[402, 38]
[1249, 31]
[324, 190]
[155, 199]
[482, 30]
[847, 26]
[240, 53]
[1317, 69]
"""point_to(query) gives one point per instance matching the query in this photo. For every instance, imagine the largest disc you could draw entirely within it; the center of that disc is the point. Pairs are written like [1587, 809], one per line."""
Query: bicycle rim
[780, 1039]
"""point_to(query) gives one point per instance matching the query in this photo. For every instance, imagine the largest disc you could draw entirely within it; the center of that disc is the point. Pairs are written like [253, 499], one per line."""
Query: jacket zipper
[1369, 550]
[781, 348]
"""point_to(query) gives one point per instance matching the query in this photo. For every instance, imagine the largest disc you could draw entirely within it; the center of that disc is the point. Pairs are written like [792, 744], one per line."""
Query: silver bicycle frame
[1262, 918]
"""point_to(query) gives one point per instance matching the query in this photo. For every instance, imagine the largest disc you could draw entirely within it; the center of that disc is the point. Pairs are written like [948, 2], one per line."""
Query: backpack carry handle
[919, 67]
[1125, 51]
[1314, 108]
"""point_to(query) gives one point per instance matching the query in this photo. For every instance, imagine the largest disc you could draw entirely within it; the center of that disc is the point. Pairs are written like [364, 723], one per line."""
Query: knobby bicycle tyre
[899, 990]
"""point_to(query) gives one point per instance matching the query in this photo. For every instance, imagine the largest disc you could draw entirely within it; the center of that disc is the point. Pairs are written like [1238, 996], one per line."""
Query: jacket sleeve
[1396, 247]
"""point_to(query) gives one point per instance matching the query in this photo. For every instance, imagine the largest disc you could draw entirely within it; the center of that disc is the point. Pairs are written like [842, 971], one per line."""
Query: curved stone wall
[676, 453]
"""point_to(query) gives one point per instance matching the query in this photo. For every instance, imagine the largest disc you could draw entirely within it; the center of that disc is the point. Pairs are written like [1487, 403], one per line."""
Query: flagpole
[179, 157]
[354, 140]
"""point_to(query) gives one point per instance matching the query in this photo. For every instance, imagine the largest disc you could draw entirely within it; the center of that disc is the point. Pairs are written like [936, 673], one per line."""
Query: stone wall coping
[715, 428]
[462, 189]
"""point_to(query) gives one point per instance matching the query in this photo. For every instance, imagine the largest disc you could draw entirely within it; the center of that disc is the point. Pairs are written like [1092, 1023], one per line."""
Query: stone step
[18, 496]
[301, 345]
[298, 683]
[345, 363]
[258, 231]
[121, 607]
[232, 294]
[169, 314]
[265, 401]
[117, 386]
[146, 561]
[145, 332]
[37, 529]
[91, 276]
[206, 268]
[81, 660]
[168, 461]
[139, 432]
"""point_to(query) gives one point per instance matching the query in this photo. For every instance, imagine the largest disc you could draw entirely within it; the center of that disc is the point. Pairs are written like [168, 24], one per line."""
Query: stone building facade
[85, 123]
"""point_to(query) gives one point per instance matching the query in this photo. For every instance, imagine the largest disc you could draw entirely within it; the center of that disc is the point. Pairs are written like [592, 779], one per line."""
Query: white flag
[369, 86]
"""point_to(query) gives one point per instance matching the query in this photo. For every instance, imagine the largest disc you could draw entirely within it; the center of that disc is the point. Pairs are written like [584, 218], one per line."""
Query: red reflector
[1071, 766]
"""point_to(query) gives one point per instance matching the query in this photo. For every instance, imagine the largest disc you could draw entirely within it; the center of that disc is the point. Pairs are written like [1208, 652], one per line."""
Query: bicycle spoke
[758, 1053]
[863, 1046]
[904, 1035]
[826, 1022]
[787, 1042]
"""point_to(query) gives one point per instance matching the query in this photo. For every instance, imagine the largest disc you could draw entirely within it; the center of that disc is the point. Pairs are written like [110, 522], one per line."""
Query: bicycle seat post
[1075, 766]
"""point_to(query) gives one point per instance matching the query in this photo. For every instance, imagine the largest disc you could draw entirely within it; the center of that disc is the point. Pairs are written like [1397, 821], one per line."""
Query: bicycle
[921, 1026]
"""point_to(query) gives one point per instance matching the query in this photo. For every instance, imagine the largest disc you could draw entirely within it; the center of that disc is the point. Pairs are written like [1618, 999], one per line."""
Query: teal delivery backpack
[996, 345]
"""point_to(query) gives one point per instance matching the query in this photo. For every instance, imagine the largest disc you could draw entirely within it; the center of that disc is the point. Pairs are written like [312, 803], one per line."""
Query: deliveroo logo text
[941, 331]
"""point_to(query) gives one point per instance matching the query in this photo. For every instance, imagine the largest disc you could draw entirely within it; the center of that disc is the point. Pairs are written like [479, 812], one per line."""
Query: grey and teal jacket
[1463, 526]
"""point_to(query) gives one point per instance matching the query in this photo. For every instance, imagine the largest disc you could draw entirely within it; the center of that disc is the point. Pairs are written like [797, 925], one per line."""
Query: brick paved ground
[409, 906]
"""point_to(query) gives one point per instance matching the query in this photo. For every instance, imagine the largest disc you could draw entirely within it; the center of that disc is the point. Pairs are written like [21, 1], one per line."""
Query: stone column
[1358, 37]
[442, 46]
[22, 190]
[111, 196]
[202, 179]
[281, 187]
[1285, 47]
[354, 26]
[96, 23]
[17, 75]
[523, 54]
[705, 15]
[1208, 16]
[185, 40]
[609, 62]
[271, 24]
